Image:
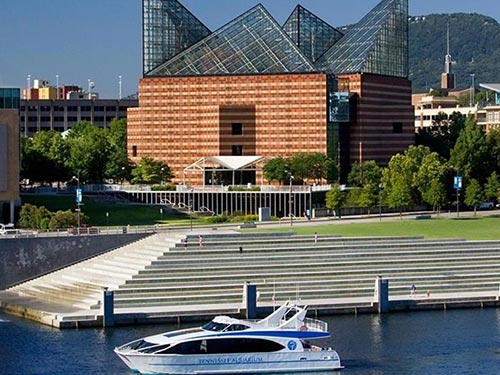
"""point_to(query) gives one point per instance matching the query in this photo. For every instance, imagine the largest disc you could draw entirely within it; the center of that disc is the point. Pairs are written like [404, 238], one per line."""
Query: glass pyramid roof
[313, 36]
[378, 44]
[252, 43]
[168, 28]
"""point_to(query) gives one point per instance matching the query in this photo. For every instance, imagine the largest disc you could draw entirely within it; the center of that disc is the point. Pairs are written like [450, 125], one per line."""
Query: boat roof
[287, 321]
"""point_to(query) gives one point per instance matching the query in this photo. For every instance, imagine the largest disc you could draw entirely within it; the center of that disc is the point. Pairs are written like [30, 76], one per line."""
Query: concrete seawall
[25, 258]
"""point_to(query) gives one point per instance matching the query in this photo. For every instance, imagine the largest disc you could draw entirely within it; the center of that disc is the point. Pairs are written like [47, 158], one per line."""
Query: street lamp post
[78, 200]
[457, 184]
[191, 201]
[290, 202]
[472, 90]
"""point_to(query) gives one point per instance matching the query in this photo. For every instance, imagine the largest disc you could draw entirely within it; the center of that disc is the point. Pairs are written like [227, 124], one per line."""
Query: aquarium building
[255, 88]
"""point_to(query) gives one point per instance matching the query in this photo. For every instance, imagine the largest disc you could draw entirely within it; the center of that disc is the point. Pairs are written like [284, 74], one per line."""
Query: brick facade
[182, 119]
[383, 121]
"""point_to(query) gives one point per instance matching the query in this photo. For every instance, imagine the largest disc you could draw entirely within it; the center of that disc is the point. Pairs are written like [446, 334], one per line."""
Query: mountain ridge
[474, 45]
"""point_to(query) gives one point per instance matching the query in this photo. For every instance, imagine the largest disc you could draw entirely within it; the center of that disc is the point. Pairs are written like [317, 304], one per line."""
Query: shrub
[64, 219]
[219, 219]
[240, 188]
[164, 188]
[34, 217]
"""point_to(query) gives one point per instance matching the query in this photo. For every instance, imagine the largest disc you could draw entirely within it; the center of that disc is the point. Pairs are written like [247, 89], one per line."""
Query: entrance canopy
[225, 164]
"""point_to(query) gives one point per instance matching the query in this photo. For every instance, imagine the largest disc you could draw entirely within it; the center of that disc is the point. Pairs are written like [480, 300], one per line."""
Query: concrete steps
[81, 285]
[161, 271]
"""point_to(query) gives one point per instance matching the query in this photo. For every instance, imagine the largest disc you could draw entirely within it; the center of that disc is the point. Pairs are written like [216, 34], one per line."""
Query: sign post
[78, 205]
[457, 185]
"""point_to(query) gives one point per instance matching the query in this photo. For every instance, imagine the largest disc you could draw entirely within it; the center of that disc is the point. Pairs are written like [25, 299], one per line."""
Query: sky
[101, 40]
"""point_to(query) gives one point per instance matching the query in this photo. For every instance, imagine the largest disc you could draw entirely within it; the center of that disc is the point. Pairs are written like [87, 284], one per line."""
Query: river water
[436, 342]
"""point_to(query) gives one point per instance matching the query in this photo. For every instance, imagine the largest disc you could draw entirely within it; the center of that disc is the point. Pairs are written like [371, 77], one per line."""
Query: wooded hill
[474, 45]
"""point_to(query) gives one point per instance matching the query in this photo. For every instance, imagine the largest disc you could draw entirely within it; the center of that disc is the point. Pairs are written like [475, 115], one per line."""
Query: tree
[369, 197]
[151, 171]
[397, 179]
[474, 194]
[435, 195]
[118, 166]
[43, 157]
[429, 180]
[492, 187]
[443, 134]
[276, 169]
[493, 142]
[335, 199]
[365, 173]
[470, 155]
[439, 92]
[89, 152]
[310, 166]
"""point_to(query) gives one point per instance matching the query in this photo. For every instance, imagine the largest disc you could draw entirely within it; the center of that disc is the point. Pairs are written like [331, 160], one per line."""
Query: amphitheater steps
[162, 271]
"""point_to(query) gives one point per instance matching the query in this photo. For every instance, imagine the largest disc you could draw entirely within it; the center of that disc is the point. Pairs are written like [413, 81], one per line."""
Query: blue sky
[101, 39]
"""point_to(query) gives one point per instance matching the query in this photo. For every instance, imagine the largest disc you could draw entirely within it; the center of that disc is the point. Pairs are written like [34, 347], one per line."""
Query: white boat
[276, 344]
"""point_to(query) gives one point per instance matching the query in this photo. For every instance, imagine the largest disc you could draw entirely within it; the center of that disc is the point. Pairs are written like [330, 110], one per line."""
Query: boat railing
[315, 325]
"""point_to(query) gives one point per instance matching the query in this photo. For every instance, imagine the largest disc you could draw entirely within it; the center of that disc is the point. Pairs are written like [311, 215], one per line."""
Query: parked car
[486, 206]
[6, 229]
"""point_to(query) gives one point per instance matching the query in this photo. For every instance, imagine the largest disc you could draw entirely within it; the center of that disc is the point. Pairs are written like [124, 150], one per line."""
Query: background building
[45, 107]
[9, 152]
[61, 115]
[257, 88]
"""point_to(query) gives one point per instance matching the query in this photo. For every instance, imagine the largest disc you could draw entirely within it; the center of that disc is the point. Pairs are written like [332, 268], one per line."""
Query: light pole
[191, 201]
[78, 200]
[457, 184]
[290, 202]
[380, 187]
[472, 90]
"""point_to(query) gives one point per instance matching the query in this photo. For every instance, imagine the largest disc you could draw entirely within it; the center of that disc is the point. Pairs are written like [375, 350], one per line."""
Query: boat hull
[252, 363]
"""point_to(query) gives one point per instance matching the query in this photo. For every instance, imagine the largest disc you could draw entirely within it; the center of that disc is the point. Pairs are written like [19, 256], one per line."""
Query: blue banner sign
[457, 182]
[78, 195]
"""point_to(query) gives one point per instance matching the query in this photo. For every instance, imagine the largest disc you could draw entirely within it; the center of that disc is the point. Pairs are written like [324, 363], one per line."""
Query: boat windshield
[219, 327]
[213, 326]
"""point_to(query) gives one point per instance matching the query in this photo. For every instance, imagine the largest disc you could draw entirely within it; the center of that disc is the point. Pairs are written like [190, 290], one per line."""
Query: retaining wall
[25, 258]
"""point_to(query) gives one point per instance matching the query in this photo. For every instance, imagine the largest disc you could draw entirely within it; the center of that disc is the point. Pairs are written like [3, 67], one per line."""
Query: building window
[237, 150]
[237, 129]
[134, 150]
[397, 127]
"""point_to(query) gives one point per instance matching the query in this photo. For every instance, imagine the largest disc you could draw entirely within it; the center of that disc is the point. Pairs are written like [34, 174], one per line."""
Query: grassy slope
[487, 228]
[119, 214]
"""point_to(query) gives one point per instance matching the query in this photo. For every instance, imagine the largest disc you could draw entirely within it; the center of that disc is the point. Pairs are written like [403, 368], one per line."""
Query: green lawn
[487, 228]
[119, 214]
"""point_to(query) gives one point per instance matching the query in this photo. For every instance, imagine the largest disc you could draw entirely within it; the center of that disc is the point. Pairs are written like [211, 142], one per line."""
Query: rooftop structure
[255, 43]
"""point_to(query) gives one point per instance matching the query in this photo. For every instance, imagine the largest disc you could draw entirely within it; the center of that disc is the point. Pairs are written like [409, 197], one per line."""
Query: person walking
[200, 240]
[315, 237]
[413, 290]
